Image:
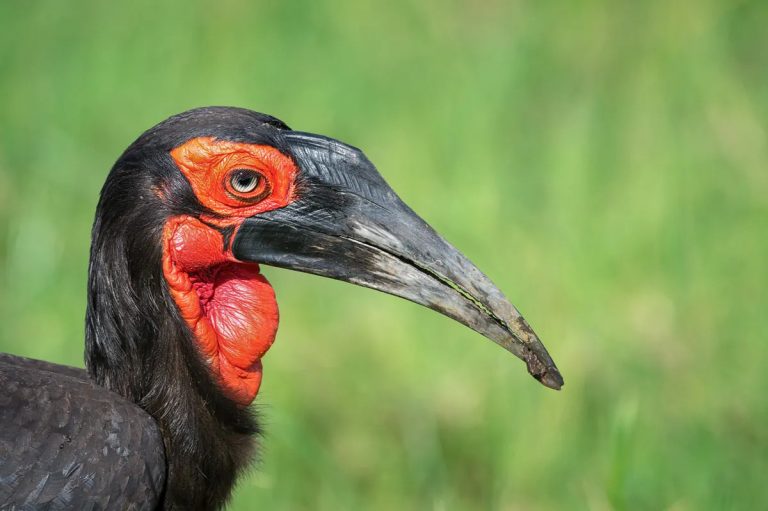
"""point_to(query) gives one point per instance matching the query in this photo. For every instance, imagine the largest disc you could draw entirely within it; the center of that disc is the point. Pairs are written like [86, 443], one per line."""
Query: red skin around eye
[229, 307]
[207, 162]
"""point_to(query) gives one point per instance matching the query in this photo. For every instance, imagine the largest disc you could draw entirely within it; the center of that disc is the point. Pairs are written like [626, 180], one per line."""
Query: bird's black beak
[346, 223]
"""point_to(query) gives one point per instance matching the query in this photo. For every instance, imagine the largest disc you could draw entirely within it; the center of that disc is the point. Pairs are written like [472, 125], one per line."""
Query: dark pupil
[244, 181]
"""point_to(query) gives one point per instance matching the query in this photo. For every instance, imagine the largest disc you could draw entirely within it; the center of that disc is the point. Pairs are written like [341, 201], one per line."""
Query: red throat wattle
[229, 306]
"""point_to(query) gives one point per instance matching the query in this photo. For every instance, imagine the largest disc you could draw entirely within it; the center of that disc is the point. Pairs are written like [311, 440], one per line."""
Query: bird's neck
[139, 345]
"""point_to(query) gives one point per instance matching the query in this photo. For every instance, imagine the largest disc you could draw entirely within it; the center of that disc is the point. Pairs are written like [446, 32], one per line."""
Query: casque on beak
[347, 224]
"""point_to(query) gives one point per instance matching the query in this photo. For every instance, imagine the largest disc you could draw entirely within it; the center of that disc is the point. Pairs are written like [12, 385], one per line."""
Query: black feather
[66, 443]
[137, 344]
[185, 444]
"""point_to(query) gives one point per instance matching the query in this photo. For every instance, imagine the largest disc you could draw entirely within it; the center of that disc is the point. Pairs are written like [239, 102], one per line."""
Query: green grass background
[606, 163]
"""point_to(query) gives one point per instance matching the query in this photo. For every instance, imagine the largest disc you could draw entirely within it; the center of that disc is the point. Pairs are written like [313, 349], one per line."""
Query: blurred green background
[606, 163]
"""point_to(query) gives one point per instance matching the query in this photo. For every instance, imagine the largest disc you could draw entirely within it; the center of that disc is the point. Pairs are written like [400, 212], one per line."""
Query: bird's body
[179, 315]
[68, 443]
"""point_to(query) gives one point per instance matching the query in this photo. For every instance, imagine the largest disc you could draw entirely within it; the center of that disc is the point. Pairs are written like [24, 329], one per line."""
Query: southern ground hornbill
[179, 315]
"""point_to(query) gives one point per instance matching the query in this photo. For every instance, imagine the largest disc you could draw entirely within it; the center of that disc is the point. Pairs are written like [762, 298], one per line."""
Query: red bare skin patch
[227, 304]
[208, 163]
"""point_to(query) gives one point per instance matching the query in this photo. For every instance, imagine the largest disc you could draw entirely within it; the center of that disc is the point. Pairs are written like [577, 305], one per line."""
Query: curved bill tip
[548, 375]
[520, 339]
[552, 379]
[540, 364]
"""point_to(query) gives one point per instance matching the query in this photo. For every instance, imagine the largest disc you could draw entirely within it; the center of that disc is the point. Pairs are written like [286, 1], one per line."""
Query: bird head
[201, 200]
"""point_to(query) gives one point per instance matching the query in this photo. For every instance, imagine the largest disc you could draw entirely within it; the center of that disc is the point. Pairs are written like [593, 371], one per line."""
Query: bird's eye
[244, 180]
[246, 186]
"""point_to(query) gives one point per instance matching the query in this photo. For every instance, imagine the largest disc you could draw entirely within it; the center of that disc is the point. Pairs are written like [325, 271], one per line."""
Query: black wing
[66, 443]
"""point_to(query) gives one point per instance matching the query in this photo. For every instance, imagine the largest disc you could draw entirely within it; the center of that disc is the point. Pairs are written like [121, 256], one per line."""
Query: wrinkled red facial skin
[229, 307]
[206, 162]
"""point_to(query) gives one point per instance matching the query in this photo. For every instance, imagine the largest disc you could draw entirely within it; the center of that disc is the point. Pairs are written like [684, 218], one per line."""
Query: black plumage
[67, 443]
[132, 321]
[138, 346]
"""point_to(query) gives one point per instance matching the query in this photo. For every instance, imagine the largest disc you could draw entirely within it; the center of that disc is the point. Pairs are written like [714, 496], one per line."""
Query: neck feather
[138, 345]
